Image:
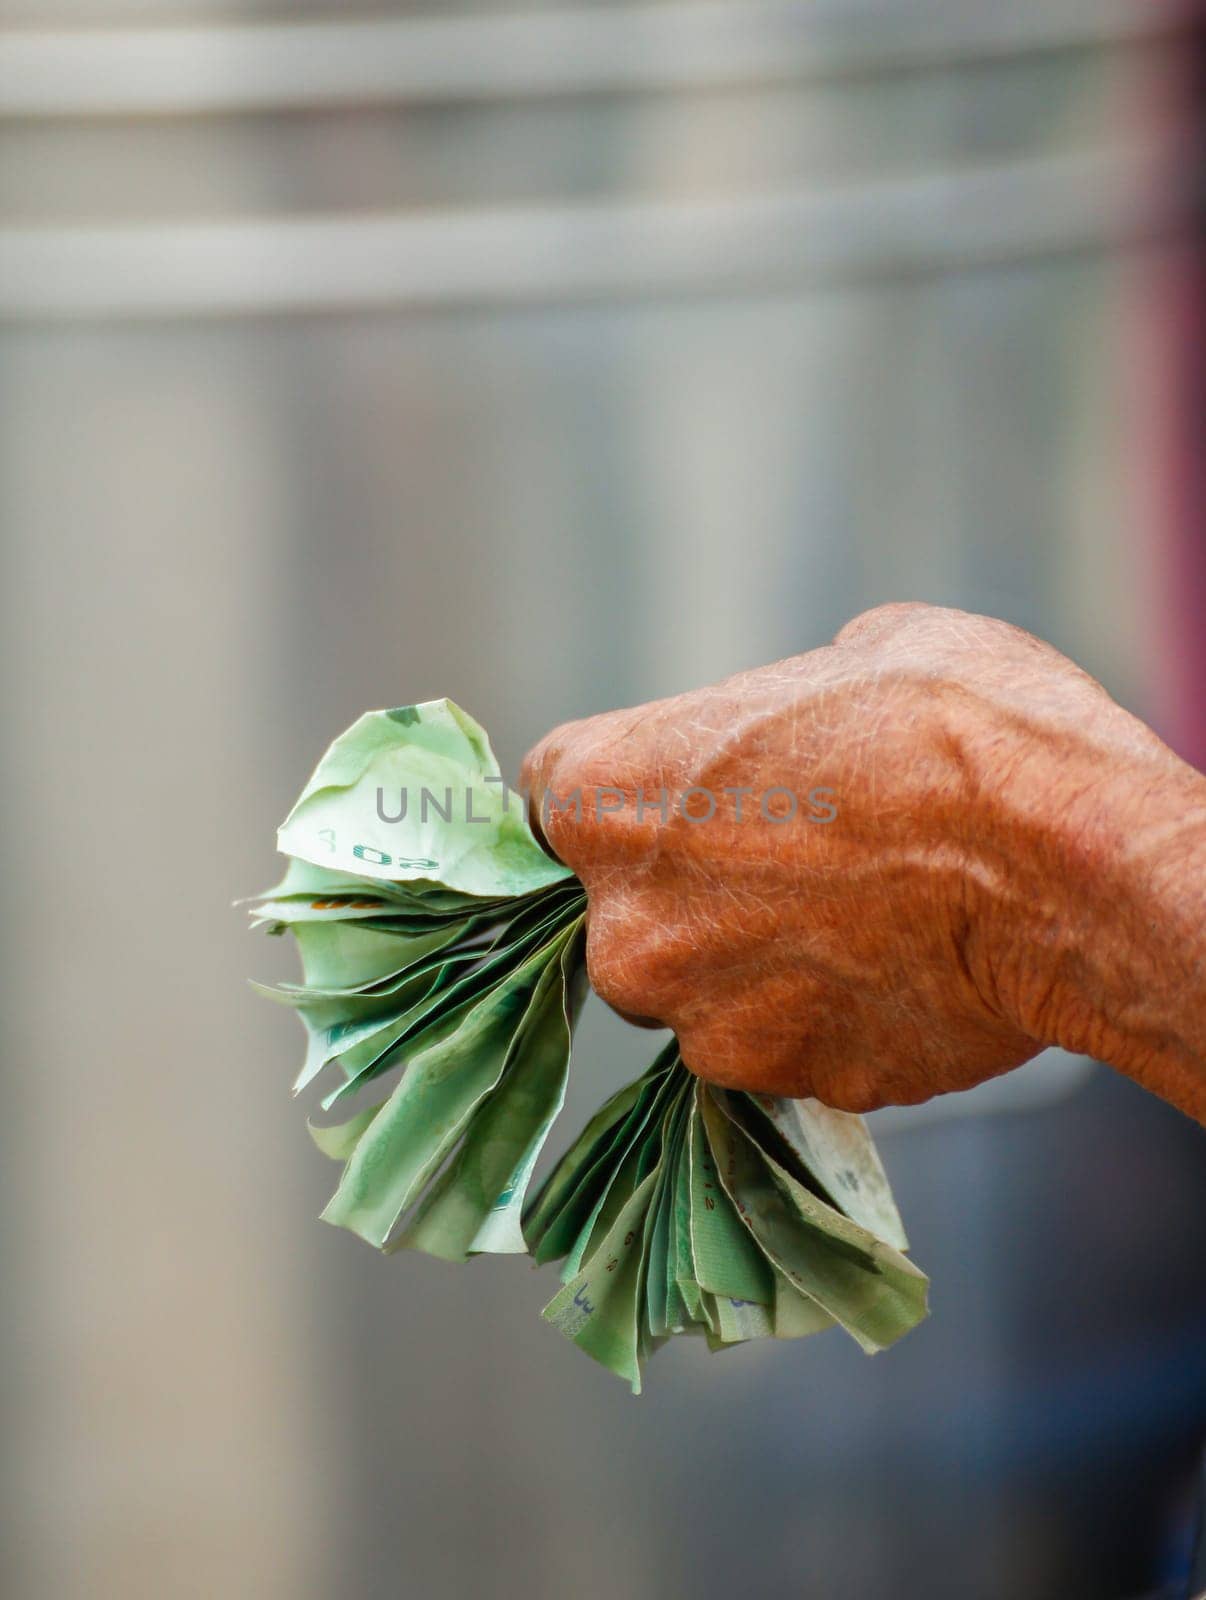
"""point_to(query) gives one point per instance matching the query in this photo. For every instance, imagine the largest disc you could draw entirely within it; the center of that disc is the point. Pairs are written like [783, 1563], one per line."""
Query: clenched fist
[891, 867]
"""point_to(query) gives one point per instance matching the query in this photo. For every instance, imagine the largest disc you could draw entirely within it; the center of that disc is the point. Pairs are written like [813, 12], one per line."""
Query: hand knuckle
[615, 970]
[883, 621]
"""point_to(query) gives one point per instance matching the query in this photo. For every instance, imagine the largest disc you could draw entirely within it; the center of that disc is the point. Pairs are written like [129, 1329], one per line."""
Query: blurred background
[553, 361]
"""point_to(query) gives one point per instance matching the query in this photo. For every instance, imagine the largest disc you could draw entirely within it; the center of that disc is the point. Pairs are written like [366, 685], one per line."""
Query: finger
[542, 771]
[569, 780]
[736, 1058]
[637, 1022]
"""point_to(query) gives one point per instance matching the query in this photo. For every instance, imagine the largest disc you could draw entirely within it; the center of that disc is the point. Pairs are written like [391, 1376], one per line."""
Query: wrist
[1094, 894]
[1146, 964]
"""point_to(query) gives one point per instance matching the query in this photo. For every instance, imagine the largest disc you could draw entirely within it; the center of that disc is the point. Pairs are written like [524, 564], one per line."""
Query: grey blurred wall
[552, 366]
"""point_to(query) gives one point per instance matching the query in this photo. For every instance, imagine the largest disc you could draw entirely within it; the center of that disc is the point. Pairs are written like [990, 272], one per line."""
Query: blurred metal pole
[277, 66]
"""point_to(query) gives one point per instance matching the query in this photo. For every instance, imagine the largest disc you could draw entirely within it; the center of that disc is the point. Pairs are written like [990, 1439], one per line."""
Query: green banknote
[443, 970]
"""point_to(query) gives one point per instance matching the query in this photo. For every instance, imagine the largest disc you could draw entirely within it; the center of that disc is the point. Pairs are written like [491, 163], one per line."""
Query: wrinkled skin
[1015, 861]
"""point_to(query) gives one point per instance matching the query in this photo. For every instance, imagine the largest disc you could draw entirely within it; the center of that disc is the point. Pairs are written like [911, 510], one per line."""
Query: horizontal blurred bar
[934, 223]
[128, 72]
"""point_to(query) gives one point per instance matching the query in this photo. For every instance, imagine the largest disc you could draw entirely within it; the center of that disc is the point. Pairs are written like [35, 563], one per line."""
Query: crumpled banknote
[443, 960]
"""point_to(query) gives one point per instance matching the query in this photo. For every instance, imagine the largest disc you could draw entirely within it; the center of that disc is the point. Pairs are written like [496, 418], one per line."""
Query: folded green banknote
[443, 950]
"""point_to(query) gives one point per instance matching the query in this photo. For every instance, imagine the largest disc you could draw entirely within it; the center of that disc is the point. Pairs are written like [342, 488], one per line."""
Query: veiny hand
[1012, 861]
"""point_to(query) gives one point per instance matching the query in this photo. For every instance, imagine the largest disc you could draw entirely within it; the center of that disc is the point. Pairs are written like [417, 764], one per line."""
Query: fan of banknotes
[443, 957]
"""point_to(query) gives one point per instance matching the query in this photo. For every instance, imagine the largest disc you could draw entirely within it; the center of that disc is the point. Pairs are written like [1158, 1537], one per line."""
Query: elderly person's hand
[892, 867]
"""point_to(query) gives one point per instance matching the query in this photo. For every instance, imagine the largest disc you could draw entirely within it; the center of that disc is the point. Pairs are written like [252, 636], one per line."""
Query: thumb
[537, 776]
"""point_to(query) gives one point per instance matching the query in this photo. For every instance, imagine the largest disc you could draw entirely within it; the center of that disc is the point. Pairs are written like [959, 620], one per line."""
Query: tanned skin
[1015, 862]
